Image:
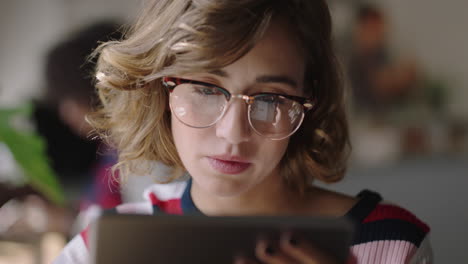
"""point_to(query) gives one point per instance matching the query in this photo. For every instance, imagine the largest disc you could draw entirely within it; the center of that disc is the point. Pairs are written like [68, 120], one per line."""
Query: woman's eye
[204, 90]
[267, 99]
[270, 99]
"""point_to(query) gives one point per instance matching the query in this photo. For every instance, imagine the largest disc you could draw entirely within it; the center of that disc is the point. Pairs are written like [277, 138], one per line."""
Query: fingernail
[239, 260]
[269, 250]
[293, 241]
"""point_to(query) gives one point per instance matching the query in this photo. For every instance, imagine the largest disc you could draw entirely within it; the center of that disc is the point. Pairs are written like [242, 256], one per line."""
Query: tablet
[172, 239]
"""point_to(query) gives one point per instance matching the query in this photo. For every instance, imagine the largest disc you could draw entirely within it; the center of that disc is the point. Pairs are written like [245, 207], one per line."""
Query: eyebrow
[277, 79]
[263, 78]
[220, 73]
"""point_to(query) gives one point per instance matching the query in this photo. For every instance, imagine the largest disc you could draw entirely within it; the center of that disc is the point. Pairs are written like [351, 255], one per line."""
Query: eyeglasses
[200, 105]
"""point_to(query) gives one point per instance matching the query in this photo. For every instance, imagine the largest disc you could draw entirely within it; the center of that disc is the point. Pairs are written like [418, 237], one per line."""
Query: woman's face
[229, 158]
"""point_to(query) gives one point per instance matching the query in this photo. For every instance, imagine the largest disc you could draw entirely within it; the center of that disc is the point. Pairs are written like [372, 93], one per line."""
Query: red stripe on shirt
[387, 211]
[84, 236]
[172, 206]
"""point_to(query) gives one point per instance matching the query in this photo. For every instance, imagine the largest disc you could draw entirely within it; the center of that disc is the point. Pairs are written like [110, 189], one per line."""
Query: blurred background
[405, 68]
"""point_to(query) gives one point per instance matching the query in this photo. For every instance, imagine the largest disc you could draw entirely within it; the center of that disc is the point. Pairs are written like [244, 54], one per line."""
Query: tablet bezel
[197, 238]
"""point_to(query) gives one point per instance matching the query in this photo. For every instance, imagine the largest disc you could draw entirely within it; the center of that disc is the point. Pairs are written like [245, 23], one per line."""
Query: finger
[269, 254]
[302, 251]
[244, 260]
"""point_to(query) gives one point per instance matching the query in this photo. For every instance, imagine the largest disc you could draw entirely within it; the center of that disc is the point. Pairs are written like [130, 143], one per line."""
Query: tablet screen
[171, 239]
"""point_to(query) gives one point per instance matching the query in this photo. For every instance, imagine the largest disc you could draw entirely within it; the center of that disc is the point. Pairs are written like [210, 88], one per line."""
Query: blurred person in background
[378, 82]
[81, 163]
[382, 89]
[32, 225]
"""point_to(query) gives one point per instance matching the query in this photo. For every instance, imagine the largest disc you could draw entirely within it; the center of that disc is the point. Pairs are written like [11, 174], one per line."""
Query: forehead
[277, 53]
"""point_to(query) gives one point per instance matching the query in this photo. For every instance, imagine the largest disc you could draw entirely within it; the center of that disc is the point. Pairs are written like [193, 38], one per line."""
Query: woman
[245, 98]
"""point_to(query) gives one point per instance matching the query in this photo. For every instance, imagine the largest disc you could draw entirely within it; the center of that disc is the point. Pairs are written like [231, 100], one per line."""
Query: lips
[228, 165]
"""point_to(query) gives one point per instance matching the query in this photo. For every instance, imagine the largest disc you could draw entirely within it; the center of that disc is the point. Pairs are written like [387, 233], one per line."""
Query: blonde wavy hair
[173, 37]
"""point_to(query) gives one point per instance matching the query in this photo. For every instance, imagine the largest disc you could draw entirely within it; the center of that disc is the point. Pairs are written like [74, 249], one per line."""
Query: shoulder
[167, 198]
[75, 252]
[376, 220]
[165, 192]
[391, 222]
[158, 197]
[388, 231]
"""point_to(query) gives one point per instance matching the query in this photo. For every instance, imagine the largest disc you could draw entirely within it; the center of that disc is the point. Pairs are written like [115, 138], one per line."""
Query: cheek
[186, 139]
[181, 136]
[277, 148]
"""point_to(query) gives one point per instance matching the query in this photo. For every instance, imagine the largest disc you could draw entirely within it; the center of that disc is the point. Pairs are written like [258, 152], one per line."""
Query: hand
[289, 250]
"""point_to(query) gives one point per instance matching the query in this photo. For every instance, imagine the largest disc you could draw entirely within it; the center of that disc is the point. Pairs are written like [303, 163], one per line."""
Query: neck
[270, 197]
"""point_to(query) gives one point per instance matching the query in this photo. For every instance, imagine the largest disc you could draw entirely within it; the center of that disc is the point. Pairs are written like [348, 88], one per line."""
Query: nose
[234, 126]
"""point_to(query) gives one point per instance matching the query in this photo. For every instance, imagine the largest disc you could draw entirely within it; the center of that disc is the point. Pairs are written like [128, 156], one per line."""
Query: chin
[224, 186]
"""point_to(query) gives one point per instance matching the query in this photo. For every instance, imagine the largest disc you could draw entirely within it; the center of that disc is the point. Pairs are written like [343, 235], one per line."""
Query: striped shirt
[385, 234]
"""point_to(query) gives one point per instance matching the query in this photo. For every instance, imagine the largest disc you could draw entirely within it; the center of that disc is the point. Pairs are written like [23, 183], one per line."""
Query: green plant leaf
[29, 151]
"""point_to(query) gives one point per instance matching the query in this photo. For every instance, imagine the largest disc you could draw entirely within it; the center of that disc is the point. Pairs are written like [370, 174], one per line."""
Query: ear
[164, 83]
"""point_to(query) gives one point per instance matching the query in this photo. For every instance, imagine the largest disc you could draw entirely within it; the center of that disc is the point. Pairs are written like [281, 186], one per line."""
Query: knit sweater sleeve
[386, 233]
[423, 254]
[391, 234]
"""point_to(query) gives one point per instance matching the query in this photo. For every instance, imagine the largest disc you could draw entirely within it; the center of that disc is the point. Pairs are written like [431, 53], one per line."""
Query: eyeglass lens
[200, 106]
